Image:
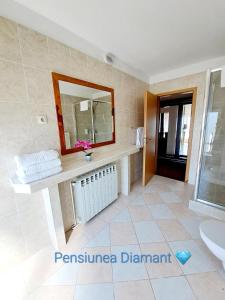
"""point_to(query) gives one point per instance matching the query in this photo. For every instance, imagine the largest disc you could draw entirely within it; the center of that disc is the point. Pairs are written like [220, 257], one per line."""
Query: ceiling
[150, 36]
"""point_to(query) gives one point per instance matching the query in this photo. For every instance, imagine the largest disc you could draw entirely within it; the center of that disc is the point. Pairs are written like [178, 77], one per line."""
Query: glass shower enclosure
[210, 187]
[94, 124]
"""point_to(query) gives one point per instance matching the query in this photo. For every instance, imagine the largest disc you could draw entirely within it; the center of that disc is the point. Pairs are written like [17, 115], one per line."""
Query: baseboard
[208, 210]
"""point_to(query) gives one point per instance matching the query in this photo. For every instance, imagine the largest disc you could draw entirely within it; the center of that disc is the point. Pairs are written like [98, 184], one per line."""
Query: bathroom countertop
[75, 165]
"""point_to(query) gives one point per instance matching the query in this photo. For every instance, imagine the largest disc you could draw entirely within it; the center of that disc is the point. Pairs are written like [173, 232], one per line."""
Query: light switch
[42, 119]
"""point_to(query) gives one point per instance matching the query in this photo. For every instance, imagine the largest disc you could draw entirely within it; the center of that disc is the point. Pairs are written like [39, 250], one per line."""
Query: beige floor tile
[133, 290]
[136, 199]
[140, 213]
[37, 269]
[181, 210]
[185, 194]
[66, 275]
[137, 187]
[127, 270]
[173, 230]
[158, 188]
[83, 233]
[161, 211]
[122, 234]
[77, 240]
[122, 202]
[191, 225]
[207, 286]
[94, 292]
[52, 293]
[160, 269]
[172, 288]
[95, 272]
[92, 227]
[108, 213]
[201, 260]
[158, 180]
[153, 198]
[176, 185]
[171, 197]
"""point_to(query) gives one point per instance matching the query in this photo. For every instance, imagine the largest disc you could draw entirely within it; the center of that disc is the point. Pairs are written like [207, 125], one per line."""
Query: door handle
[147, 140]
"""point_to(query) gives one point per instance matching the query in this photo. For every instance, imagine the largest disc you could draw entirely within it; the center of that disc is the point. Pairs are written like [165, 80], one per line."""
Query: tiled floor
[155, 219]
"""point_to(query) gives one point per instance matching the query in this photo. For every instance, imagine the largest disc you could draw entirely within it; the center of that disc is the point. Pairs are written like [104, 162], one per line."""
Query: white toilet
[213, 234]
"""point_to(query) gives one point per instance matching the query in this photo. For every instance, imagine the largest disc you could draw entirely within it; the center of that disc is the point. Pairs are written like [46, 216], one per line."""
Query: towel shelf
[74, 166]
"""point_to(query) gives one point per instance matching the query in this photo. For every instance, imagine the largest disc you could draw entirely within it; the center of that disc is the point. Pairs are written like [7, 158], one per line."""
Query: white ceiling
[150, 36]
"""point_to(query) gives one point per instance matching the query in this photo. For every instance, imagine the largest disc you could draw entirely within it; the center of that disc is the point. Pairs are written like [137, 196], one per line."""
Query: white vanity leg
[125, 175]
[54, 216]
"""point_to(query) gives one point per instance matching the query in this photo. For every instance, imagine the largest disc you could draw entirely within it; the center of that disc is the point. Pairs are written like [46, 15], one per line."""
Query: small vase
[88, 157]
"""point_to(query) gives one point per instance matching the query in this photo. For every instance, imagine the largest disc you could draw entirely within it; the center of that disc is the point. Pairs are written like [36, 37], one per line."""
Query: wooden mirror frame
[56, 77]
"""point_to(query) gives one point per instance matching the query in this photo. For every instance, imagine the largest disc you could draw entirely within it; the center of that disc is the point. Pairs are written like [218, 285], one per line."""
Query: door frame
[192, 90]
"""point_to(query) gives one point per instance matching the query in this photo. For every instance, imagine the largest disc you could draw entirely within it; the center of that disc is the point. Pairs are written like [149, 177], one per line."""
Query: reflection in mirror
[86, 112]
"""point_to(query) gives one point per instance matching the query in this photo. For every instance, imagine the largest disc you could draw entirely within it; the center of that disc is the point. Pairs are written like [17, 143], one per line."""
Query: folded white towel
[140, 137]
[26, 160]
[37, 168]
[41, 175]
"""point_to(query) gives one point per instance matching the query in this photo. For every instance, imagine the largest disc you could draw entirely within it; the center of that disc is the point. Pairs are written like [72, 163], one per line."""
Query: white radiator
[94, 191]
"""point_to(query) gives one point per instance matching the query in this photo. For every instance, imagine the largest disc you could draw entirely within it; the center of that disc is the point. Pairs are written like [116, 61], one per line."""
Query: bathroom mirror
[85, 111]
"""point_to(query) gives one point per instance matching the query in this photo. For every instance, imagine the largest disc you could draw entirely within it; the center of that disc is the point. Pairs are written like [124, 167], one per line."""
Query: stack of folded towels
[35, 166]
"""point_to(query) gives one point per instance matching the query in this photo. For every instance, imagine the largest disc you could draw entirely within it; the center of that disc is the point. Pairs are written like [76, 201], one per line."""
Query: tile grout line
[149, 280]
[190, 287]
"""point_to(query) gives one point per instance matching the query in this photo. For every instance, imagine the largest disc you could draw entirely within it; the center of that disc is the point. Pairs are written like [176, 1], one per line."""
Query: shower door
[93, 123]
[211, 180]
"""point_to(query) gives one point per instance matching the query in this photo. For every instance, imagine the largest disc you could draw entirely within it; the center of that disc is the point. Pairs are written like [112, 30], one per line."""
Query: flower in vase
[85, 145]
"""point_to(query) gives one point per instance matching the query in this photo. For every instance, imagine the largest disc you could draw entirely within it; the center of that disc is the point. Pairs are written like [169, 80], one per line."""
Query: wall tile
[39, 85]
[14, 122]
[12, 83]
[9, 42]
[58, 57]
[33, 47]
[78, 64]
[40, 133]
[98, 71]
